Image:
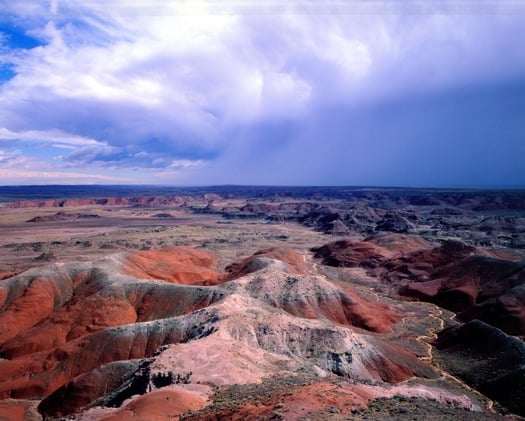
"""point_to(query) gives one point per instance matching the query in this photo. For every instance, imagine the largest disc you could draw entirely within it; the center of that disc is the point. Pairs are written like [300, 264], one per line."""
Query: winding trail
[431, 335]
[436, 313]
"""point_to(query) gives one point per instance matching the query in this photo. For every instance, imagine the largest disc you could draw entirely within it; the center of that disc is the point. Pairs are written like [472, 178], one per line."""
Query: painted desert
[261, 303]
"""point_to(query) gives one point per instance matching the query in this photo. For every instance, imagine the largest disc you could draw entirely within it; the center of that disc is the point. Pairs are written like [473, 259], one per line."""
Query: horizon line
[226, 185]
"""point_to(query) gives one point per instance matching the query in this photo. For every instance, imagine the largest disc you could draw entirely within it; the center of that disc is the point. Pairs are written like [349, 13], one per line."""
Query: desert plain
[240, 302]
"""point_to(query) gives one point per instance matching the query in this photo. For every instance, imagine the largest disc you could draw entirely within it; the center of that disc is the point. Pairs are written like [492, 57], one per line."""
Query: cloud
[12, 159]
[140, 86]
[54, 136]
[16, 176]
[17, 168]
[125, 157]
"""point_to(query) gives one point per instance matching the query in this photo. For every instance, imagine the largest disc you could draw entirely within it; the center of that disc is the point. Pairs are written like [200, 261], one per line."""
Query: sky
[427, 93]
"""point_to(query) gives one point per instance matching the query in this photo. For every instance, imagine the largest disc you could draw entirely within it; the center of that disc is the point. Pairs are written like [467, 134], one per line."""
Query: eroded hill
[115, 337]
[269, 303]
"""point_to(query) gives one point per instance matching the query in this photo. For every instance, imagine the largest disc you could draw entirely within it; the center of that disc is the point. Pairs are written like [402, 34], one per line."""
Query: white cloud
[17, 176]
[16, 168]
[54, 136]
[189, 64]
[186, 163]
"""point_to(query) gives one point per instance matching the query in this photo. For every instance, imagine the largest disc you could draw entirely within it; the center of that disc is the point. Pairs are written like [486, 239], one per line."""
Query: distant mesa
[62, 216]
[141, 201]
[163, 216]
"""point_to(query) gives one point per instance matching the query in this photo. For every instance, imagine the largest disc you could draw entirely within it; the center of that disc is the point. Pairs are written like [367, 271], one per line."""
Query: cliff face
[142, 201]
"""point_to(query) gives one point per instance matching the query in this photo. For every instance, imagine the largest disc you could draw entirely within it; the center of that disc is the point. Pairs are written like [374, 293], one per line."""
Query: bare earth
[264, 306]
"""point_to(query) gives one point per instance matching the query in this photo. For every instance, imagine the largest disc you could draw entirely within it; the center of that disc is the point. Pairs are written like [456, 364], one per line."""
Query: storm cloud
[393, 93]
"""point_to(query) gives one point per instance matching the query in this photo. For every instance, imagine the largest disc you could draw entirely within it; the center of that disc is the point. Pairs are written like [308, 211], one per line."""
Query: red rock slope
[110, 340]
[473, 282]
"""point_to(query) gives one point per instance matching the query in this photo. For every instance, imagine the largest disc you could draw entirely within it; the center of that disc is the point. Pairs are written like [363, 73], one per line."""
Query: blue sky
[397, 93]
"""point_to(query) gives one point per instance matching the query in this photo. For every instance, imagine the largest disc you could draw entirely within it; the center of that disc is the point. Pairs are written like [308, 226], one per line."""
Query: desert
[252, 210]
[240, 302]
